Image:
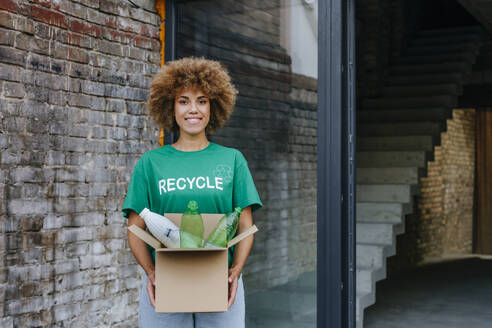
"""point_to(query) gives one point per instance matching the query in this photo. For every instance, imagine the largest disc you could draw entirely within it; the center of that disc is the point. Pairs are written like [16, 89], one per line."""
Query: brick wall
[273, 125]
[443, 223]
[302, 175]
[74, 77]
[458, 172]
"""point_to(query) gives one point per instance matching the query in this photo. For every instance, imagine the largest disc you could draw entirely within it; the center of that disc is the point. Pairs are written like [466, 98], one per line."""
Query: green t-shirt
[165, 179]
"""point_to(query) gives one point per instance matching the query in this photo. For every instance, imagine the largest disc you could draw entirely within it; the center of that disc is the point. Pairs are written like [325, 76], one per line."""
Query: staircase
[397, 133]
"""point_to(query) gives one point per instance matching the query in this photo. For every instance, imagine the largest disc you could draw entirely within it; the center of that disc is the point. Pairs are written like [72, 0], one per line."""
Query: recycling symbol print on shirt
[223, 171]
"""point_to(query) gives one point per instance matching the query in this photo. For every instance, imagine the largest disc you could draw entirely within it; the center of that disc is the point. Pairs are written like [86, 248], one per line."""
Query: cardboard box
[191, 280]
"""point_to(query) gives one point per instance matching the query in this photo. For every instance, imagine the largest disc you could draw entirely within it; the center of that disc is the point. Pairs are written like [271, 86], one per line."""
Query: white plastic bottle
[162, 228]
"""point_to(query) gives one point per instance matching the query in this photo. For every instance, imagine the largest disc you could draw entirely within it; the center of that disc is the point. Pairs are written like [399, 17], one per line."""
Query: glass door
[270, 51]
[296, 130]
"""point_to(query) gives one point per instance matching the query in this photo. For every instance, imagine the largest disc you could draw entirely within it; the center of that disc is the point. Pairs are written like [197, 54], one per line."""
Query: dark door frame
[336, 158]
[336, 164]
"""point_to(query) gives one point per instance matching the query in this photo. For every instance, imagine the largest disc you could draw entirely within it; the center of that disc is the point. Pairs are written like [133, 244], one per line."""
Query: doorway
[287, 94]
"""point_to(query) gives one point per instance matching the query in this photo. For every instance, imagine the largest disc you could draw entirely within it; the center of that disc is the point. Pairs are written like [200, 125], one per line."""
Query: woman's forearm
[138, 246]
[243, 248]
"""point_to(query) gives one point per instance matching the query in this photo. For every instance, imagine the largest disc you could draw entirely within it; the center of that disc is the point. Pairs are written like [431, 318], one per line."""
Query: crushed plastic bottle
[225, 230]
[191, 229]
[162, 228]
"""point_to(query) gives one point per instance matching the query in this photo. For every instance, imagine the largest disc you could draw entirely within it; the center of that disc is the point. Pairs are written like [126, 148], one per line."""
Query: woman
[192, 96]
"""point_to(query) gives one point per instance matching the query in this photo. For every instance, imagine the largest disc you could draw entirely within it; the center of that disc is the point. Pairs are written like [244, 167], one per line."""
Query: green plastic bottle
[191, 229]
[232, 223]
[225, 230]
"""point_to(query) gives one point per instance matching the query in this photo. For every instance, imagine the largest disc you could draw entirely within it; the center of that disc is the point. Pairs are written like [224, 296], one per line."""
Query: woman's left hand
[233, 283]
[240, 253]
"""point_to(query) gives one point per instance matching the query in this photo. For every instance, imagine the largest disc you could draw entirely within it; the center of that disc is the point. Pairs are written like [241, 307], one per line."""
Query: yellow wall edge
[160, 5]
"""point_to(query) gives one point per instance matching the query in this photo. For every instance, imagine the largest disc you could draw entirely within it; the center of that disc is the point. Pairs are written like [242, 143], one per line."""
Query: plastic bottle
[218, 236]
[225, 230]
[191, 230]
[232, 223]
[162, 228]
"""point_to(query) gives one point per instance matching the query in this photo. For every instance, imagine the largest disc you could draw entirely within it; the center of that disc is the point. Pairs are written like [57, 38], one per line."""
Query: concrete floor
[453, 294]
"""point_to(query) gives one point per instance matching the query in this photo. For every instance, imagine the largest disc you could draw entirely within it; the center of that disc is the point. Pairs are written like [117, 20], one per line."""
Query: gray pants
[233, 318]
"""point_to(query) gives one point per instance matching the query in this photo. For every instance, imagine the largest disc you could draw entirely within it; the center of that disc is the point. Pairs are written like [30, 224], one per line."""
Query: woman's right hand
[142, 254]
[151, 287]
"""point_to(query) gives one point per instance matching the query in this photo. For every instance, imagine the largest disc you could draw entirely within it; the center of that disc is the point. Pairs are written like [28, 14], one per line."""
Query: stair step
[422, 90]
[364, 279]
[375, 274]
[446, 39]
[392, 158]
[410, 102]
[442, 48]
[368, 255]
[400, 129]
[396, 143]
[412, 69]
[391, 193]
[406, 115]
[450, 31]
[389, 175]
[382, 212]
[375, 233]
[468, 57]
[425, 79]
[363, 300]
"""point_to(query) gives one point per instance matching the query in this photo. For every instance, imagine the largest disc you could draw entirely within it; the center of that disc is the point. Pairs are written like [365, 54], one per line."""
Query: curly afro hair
[196, 73]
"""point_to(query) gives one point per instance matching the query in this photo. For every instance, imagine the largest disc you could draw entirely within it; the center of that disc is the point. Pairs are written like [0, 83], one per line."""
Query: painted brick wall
[443, 223]
[74, 77]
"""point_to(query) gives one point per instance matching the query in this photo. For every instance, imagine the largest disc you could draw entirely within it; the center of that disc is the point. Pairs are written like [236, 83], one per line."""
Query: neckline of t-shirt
[177, 151]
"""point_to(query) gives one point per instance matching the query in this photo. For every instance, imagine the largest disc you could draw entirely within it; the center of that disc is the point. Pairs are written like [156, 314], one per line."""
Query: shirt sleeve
[137, 196]
[244, 189]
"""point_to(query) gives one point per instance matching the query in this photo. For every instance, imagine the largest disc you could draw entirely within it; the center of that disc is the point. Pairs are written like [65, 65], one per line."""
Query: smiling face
[192, 112]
